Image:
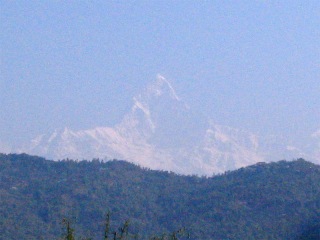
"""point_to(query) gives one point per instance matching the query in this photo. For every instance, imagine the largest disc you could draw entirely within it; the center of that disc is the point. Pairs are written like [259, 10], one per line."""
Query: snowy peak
[138, 105]
[158, 94]
[162, 132]
[156, 111]
[160, 88]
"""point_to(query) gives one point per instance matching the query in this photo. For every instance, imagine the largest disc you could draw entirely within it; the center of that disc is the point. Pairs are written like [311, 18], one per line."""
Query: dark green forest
[279, 200]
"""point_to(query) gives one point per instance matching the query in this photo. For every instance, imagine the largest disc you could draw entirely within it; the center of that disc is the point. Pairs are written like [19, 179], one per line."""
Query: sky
[248, 64]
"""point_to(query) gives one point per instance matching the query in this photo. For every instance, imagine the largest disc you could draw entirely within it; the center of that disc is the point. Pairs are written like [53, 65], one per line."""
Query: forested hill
[265, 201]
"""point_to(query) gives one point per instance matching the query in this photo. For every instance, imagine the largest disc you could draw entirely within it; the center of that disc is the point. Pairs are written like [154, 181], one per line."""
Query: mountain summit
[160, 132]
[161, 87]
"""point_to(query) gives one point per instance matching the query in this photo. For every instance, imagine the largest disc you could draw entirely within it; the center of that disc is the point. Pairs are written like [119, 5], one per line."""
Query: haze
[253, 65]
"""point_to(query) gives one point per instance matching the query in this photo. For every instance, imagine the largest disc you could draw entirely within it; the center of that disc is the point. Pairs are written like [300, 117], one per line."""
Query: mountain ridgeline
[264, 201]
[162, 132]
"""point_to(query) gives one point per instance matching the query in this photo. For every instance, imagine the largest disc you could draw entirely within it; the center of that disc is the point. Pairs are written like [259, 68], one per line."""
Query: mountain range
[162, 132]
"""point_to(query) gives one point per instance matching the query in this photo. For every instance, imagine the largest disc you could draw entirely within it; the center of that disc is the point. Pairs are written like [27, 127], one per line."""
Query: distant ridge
[162, 132]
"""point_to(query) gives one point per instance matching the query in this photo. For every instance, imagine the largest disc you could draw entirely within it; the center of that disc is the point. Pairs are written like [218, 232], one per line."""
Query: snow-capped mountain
[161, 132]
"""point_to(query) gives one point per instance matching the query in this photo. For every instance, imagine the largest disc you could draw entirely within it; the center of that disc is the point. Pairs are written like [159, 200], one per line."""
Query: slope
[264, 201]
[163, 133]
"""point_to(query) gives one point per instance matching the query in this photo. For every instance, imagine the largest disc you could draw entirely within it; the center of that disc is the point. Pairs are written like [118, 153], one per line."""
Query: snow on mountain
[159, 132]
[227, 148]
[161, 87]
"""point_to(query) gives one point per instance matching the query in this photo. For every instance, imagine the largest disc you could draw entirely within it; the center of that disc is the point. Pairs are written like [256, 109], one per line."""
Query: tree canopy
[278, 200]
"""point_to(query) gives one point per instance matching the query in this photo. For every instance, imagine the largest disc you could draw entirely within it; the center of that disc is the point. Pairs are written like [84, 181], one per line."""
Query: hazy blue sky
[249, 64]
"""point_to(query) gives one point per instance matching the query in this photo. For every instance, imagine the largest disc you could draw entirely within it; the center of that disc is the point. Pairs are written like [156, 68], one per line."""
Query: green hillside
[265, 201]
